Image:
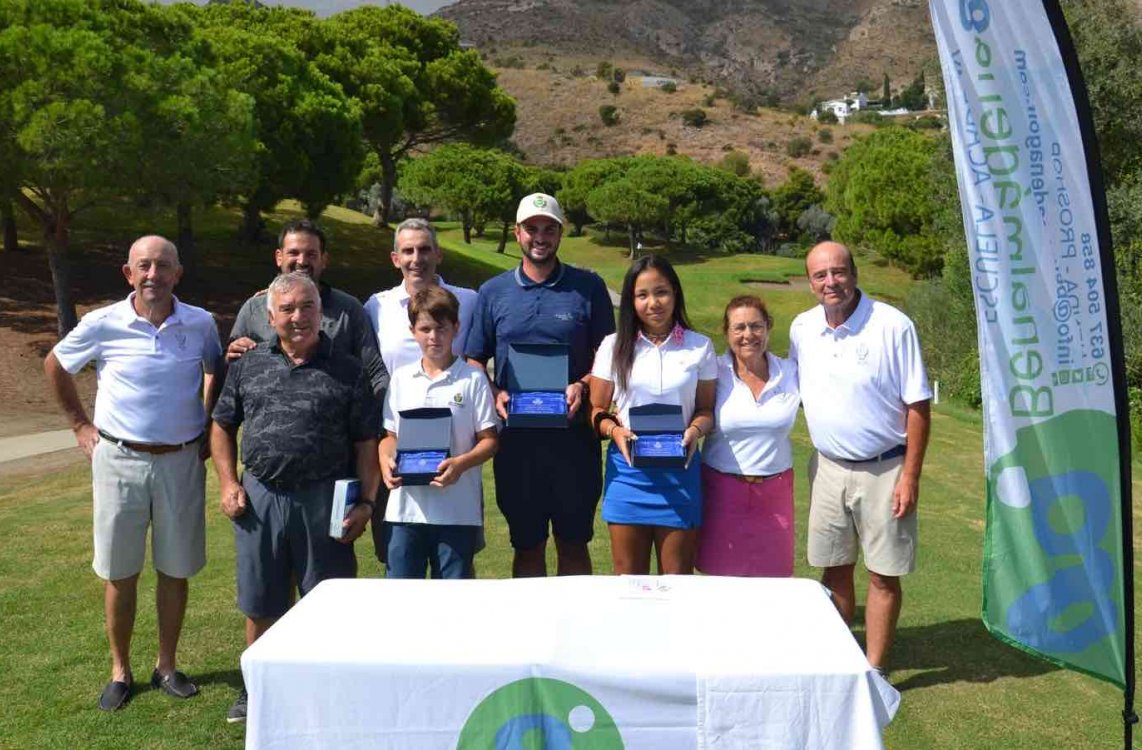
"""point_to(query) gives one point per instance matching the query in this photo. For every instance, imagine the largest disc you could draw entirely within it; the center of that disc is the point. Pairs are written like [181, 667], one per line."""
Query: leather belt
[154, 448]
[750, 478]
[754, 479]
[898, 450]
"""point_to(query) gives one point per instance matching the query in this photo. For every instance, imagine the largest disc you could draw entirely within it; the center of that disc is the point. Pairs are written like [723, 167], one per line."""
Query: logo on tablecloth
[540, 712]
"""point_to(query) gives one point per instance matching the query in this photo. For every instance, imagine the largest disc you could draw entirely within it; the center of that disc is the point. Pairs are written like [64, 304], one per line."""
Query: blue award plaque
[539, 402]
[420, 462]
[423, 441]
[536, 376]
[659, 428]
[661, 445]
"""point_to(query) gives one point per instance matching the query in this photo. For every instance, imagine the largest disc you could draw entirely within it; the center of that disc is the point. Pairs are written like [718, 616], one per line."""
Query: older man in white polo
[155, 361]
[866, 400]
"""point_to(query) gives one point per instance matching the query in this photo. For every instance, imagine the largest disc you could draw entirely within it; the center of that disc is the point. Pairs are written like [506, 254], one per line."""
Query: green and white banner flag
[1053, 562]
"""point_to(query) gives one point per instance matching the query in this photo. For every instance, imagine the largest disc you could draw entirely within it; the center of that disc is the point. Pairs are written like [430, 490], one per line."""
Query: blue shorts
[284, 536]
[652, 496]
[549, 477]
[415, 548]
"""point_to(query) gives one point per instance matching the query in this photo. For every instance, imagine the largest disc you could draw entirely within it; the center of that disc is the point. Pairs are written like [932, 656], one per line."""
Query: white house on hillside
[843, 108]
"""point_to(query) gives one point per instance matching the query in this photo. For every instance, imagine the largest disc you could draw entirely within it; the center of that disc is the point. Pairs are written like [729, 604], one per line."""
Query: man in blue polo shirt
[545, 477]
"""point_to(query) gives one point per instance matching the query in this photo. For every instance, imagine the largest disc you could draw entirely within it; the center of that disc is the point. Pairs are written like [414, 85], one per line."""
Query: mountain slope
[794, 48]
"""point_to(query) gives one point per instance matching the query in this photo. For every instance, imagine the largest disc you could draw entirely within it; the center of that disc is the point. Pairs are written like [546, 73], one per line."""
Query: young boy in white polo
[436, 526]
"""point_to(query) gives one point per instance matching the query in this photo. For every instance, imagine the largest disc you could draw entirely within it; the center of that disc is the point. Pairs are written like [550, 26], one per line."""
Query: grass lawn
[961, 688]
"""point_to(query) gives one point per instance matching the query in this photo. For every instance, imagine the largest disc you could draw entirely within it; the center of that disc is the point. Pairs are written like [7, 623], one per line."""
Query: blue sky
[329, 7]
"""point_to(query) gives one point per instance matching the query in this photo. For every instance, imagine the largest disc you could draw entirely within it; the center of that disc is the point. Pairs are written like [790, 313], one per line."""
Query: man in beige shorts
[866, 400]
[155, 362]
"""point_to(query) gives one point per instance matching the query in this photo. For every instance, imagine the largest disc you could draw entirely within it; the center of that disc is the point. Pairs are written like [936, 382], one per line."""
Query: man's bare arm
[63, 386]
[917, 426]
[224, 449]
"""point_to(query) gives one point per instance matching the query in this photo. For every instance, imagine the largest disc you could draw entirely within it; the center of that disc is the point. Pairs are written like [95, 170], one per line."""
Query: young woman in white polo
[655, 357]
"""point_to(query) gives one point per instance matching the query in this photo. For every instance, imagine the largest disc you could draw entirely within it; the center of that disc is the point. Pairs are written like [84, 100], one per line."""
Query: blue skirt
[652, 496]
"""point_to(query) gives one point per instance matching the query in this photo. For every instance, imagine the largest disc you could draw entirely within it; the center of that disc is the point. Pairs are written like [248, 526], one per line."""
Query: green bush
[944, 313]
[791, 250]
[694, 118]
[798, 147]
[868, 117]
[614, 88]
[827, 117]
[669, 87]
[825, 135]
[609, 114]
[927, 122]
[735, 162]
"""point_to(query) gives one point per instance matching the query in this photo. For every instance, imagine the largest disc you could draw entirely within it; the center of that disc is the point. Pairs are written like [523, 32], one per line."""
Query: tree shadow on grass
[958, 651]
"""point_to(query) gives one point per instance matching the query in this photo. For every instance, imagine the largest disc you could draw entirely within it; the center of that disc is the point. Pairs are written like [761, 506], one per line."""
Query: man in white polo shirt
[155, 362]
[866, 400]
[417, 254]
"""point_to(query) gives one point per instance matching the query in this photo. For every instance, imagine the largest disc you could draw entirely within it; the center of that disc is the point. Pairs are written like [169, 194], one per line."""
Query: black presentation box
[536, 379]
[659, 428]
[424, 440]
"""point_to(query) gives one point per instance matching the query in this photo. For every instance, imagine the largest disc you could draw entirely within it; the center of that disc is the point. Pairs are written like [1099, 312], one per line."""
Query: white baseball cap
[538, 204]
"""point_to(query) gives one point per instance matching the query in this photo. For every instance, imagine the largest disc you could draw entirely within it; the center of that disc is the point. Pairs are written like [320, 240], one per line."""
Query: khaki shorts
[851, 502]
[134, 490]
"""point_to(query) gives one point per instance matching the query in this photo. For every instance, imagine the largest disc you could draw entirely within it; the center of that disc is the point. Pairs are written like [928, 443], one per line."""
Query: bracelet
[603, 416]
[697, 429]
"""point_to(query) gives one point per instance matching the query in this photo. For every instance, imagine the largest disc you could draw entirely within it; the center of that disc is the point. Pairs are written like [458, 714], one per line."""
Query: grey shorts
[851, 503]
[283, 537]
[134, 491]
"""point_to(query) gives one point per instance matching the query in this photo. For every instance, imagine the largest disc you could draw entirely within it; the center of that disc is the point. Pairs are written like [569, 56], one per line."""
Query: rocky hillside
[795, 49]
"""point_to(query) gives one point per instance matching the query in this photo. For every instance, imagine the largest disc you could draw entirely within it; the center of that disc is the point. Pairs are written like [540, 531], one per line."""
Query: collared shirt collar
[676, 337]
[855, 321]
[324, 348]
[526, 281]
[131, 314]
[776, 373]
[448, 374]
[402, 295]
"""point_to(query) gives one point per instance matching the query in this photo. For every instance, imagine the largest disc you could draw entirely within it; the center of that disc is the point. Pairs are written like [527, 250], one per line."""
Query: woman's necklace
[656, 338]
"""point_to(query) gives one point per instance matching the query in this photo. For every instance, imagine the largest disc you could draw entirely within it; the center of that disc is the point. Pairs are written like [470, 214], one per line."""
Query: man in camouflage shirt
[310, 418]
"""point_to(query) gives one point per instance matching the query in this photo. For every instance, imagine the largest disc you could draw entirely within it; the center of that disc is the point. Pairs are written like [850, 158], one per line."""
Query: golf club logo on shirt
[862, 353]
[539, 712]
[458, 398]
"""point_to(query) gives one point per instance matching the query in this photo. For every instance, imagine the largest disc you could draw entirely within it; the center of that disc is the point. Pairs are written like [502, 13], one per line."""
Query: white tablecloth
[688, 662]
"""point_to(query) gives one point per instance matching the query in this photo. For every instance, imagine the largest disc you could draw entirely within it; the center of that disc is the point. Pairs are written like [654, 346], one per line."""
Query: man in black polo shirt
[310, 418]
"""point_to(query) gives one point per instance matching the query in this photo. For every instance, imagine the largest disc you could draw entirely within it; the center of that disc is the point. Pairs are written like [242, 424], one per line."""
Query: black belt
[893, 452]
[148, 447]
